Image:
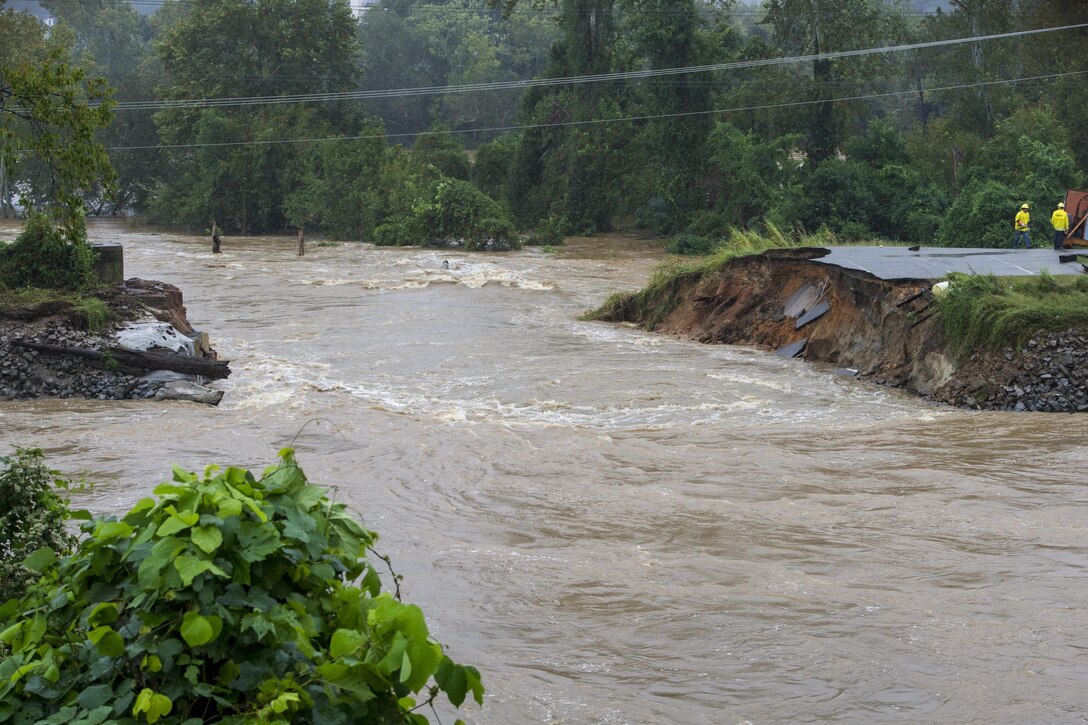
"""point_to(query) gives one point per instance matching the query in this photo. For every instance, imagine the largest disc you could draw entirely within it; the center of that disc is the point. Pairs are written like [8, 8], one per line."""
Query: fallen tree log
[136, 360]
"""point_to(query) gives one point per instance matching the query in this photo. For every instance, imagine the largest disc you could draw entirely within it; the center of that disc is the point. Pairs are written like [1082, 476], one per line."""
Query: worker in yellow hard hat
[1060, 221]
[1022, 225]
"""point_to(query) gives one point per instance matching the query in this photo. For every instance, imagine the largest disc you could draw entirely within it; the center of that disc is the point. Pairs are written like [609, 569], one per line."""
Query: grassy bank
[28, 304]
[659, 297]
[984, 311]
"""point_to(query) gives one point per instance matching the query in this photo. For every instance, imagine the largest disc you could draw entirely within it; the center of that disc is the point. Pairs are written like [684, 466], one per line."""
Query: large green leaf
[113, 530]
[176, 522]
[208, 538]
[94, 696]
[103, 613]
[108, 641]
[152, 704]
[345, 641]
[189, 567]
[40, 560]
[197, 630]
[153, 565]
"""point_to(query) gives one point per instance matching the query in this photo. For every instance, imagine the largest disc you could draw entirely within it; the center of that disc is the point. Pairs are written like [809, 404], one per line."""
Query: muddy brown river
[619, 527]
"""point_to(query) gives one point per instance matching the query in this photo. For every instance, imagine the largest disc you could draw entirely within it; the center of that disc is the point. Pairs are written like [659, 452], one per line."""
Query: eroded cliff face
[883, 329]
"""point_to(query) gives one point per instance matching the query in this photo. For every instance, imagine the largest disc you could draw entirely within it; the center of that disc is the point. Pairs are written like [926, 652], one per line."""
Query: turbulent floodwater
[618, 527]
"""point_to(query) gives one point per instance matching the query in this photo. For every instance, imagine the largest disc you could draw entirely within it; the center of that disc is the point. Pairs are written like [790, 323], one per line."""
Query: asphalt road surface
[934, 262]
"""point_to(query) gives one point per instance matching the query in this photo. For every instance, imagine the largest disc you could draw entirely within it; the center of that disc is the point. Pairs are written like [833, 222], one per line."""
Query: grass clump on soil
[29, 303]
[661, 295]
[983, 311]
[653, 302]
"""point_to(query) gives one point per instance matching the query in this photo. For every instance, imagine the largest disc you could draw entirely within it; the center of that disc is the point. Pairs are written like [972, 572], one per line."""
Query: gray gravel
[32, 374]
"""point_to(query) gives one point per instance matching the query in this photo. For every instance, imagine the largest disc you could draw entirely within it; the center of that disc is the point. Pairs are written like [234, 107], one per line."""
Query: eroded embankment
[885, 330]
[46, 349]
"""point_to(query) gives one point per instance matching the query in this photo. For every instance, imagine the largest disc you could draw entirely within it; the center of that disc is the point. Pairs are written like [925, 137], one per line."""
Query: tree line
[938, 145]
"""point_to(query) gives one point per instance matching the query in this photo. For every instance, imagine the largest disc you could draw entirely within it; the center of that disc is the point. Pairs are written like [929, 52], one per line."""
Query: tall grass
[982, 311]
[93, 313]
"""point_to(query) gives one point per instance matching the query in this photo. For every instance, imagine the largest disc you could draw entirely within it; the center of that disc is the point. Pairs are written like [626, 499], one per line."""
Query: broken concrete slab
[189, 392]
[792, 350]
[801, 301]
[814, 314]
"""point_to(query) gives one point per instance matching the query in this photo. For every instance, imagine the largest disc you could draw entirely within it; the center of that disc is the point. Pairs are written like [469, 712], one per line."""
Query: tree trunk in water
[133, 359]
[301, 243]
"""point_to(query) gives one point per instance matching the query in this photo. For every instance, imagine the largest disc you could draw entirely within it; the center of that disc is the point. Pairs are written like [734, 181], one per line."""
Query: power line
[701, 11]
[627, 119]
[569, 80]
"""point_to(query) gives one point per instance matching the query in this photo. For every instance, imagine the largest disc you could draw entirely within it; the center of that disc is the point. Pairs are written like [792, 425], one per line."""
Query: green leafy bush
[494, 234]
[33, 511]
[548, 233]
[493, 160]
[838, 194]
[708, 224]
[230, 599]
[441, 149]
[692, 244]
[459, 213]
[395, 234]
[43, 256]
[982, 216]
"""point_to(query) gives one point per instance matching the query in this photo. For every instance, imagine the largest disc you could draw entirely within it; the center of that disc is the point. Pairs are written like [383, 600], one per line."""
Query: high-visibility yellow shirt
[1060, 220]
[1022, 221]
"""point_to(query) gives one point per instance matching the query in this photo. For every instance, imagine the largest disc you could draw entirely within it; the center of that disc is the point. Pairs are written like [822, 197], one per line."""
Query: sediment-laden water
[618, 527]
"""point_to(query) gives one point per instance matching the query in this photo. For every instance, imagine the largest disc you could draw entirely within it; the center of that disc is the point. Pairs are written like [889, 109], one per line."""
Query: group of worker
[1059, 220]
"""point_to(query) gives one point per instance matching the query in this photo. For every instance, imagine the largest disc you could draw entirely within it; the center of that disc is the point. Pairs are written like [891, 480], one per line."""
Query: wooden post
[301, 243]
[215, 240]
[4, 205]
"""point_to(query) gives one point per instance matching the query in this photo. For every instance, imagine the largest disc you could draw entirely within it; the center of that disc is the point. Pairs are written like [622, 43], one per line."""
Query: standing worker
[1022, 226]
[1060, 221]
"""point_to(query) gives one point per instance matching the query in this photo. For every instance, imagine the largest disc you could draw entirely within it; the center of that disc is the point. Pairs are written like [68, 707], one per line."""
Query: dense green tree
[412, 44]
[50, 111]
[442, 150]
[491, 170]
[237, 173]
[336, 189]
[112, 40]
[746, 176]
[821, 26]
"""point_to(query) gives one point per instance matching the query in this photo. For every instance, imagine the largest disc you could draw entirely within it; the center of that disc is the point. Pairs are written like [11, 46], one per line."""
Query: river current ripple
[619, 527]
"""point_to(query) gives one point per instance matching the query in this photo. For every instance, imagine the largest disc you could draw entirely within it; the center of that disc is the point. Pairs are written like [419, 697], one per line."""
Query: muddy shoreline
[882, 329]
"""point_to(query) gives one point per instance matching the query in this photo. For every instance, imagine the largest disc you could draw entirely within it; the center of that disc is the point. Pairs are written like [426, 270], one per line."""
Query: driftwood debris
[133, 359]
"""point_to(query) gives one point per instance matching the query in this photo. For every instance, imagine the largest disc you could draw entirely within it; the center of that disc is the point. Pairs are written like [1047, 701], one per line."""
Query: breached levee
[147, 349]
[783, 300]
